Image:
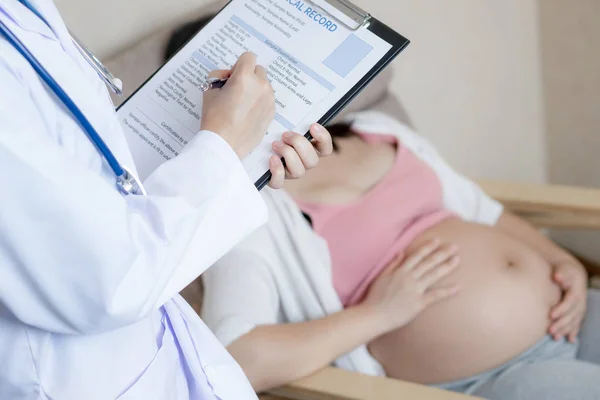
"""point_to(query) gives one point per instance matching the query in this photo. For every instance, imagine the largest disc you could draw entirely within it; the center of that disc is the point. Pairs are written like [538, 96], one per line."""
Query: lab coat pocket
[160, 380]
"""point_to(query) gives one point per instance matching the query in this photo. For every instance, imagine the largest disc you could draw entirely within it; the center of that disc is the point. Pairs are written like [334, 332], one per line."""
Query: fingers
[566, 306]
[573, 336]
[393, 265]
[219, 74]
[246, 64]
[440, 256]
[564, 279]
[570, 275]
[568, 315]
[437, 273]
[563, 327]
[277, 172]
[418, 256]
[243, 110]
[293, 164]
[304, 149]
[439, 294]
[298, 153]
[261, 72]
[321, 140]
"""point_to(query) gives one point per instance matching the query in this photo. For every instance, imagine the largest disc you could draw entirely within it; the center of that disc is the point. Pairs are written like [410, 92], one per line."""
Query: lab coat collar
[25, 25]
[32, 32]
[30, 22]
[26, 20]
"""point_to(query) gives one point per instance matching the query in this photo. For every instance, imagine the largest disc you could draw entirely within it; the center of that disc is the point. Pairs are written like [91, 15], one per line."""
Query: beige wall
[571, 59]
[108, 26]
[470, 79]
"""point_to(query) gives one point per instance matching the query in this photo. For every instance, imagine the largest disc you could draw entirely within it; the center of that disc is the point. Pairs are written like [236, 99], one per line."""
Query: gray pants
[547, 371]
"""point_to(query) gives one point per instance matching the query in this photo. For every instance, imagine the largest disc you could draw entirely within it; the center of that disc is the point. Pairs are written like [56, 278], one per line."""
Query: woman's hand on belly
[503, 308]
[274, 355]
[567, 273]
[568, 315]
[410, 284]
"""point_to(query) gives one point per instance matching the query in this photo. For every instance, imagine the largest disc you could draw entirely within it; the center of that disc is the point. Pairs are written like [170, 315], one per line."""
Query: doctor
[89, 276]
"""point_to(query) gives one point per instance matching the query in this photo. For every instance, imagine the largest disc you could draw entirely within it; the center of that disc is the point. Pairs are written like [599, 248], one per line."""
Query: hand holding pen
[241, 112]
[213, 83]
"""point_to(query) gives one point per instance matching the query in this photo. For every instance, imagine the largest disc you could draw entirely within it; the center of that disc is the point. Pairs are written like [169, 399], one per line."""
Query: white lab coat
[89, 279]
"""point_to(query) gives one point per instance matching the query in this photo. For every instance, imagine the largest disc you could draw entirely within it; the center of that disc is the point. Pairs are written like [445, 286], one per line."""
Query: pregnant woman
[386, 261]
[440, 284]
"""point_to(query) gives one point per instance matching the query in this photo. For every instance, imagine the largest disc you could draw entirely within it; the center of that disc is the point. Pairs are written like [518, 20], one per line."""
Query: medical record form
[313, 59]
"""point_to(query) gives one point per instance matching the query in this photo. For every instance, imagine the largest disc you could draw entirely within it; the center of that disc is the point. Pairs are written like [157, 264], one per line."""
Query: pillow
[376, 96]
[390, 105]
[137, 63]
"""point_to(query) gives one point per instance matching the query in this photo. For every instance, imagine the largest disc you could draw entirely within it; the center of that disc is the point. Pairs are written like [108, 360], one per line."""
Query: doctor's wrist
[221, 131]
[208, 139]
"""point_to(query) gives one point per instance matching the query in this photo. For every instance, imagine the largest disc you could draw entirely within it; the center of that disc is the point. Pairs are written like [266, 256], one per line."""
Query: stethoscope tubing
[81, 119]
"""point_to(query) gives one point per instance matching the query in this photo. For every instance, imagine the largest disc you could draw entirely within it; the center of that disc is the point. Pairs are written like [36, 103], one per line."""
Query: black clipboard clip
[360, 17]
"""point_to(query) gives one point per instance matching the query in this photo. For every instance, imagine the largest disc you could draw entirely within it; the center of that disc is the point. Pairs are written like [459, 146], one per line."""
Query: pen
[213, 84]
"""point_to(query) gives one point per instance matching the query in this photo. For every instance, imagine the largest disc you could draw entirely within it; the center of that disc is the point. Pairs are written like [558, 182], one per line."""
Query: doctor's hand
[299, 154]
[242, 110]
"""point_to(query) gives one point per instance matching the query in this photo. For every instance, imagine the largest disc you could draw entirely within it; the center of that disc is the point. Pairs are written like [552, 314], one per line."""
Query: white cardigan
[282, 273]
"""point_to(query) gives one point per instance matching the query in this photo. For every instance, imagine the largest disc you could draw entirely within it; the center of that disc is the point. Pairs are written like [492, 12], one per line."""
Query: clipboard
[363, 20]
[354, 18]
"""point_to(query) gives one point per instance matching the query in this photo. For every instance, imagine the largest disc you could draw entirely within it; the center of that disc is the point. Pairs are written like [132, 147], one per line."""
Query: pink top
[365, 235]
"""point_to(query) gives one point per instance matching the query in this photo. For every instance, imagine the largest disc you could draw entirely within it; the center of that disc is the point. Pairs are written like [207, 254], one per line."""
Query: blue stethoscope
[127, 182]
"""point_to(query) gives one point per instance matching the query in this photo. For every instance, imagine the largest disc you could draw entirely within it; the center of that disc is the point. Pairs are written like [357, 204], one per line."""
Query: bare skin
[241, 112]
[515, 287]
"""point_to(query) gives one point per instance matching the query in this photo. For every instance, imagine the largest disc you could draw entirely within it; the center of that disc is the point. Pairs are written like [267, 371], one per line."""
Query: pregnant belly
[502, 309]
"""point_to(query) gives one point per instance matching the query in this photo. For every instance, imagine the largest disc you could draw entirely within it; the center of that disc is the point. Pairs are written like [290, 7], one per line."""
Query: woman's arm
[274, 355]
